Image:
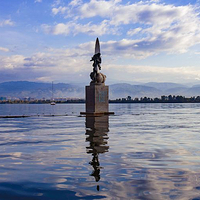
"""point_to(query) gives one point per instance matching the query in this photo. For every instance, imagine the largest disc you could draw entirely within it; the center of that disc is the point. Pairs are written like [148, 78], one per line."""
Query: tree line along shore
[162, 99]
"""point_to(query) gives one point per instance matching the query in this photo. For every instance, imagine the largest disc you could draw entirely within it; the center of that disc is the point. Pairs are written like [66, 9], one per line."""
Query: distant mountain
[164, 86]
[21, 89]
[193, 91]
[197, 85]
[176, 91]
[123, 90]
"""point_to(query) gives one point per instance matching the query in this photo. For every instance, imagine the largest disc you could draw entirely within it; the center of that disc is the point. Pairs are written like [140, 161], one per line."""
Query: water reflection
[154, 154]
[97, 136]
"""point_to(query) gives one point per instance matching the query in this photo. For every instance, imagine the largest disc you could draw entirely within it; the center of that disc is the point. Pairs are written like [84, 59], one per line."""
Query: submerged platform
[23, 116]
[95, 114]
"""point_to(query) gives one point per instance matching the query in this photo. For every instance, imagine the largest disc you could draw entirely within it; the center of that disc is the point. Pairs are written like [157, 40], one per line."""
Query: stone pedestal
[97, 100]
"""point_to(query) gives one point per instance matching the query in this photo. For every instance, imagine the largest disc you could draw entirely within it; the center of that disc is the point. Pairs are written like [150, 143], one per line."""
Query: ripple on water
[146, 151]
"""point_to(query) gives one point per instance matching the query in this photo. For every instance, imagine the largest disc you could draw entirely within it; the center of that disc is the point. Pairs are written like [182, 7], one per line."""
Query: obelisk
[97, 93]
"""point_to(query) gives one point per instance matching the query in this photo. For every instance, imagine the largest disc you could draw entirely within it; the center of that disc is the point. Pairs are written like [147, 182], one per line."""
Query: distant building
[31, 99]
[129, 98]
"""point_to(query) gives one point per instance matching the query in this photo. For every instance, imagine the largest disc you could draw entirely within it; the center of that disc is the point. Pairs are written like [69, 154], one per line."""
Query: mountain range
[21, 89]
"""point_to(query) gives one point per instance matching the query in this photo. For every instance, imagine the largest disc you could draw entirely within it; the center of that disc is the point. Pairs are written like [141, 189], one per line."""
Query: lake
[144, 151]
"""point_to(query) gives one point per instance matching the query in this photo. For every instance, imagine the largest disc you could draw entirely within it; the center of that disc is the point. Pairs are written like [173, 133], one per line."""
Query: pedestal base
[96, 114]
[97, 100]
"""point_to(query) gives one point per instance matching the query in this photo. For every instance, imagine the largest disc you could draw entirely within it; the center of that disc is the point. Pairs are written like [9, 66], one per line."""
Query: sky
[141, 41]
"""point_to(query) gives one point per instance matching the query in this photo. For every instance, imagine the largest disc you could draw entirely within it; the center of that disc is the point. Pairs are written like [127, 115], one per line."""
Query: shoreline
[110, 102]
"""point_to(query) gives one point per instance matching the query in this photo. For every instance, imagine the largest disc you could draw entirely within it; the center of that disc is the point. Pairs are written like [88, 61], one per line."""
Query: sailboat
[52, 102]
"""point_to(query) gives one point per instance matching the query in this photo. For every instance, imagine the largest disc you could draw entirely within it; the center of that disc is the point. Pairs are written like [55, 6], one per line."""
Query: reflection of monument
[97, 134]
[97, 93]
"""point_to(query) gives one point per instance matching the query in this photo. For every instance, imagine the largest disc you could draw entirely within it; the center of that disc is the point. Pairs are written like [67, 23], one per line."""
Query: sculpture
[96, 76]
[97, 92]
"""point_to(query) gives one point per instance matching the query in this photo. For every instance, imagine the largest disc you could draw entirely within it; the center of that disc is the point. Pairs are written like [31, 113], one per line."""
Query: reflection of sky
[153, 154]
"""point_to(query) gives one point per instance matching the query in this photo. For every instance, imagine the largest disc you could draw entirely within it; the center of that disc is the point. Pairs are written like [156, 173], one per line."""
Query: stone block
[97, 98]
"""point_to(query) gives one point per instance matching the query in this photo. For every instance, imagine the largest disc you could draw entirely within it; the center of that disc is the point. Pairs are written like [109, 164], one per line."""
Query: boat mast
[52, 90]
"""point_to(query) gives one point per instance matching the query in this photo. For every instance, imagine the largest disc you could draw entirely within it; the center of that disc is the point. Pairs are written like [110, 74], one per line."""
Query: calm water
[145, 151]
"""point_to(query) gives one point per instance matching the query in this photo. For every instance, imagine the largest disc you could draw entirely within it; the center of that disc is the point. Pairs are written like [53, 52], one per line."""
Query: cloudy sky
[141, 41]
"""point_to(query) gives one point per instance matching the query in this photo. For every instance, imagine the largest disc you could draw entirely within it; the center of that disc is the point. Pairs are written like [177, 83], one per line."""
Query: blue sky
[141, 41]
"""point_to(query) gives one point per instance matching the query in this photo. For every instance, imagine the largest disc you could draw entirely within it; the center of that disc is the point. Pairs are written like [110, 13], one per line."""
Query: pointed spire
[97, 46]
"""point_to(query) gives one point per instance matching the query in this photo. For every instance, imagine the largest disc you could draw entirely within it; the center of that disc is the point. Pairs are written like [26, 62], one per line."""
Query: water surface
[145, 151]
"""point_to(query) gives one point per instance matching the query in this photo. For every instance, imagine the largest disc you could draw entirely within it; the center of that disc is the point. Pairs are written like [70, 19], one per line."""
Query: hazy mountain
[197, 85]
[39, 90]
[176, 91]
[164, 86]
[193, 91]
[123, 90]
[22, 89]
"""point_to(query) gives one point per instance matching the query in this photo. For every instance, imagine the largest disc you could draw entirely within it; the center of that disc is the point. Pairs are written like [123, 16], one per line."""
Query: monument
[97, 93]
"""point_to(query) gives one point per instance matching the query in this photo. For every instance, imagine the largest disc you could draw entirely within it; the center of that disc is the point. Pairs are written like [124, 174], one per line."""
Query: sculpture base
[96, 114]
[96, 100]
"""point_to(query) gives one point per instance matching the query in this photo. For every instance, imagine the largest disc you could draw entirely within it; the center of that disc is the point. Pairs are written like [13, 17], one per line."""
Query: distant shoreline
[109, 103]
[162, 99]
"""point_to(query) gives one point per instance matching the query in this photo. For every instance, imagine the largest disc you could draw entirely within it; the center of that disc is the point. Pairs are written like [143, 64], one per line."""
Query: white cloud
[98, 8]
[4, 49]
[11, 62]
[150, 27]
[156, 1]
[55, 64]
[139, 49]
[64, 64]
[160, 27]
[76, 28]
[75, 2]
[56, 3]
[38, 1]
[132, 32]
[148, 73]
[56, 30]
[60, 9]
[6, 22]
